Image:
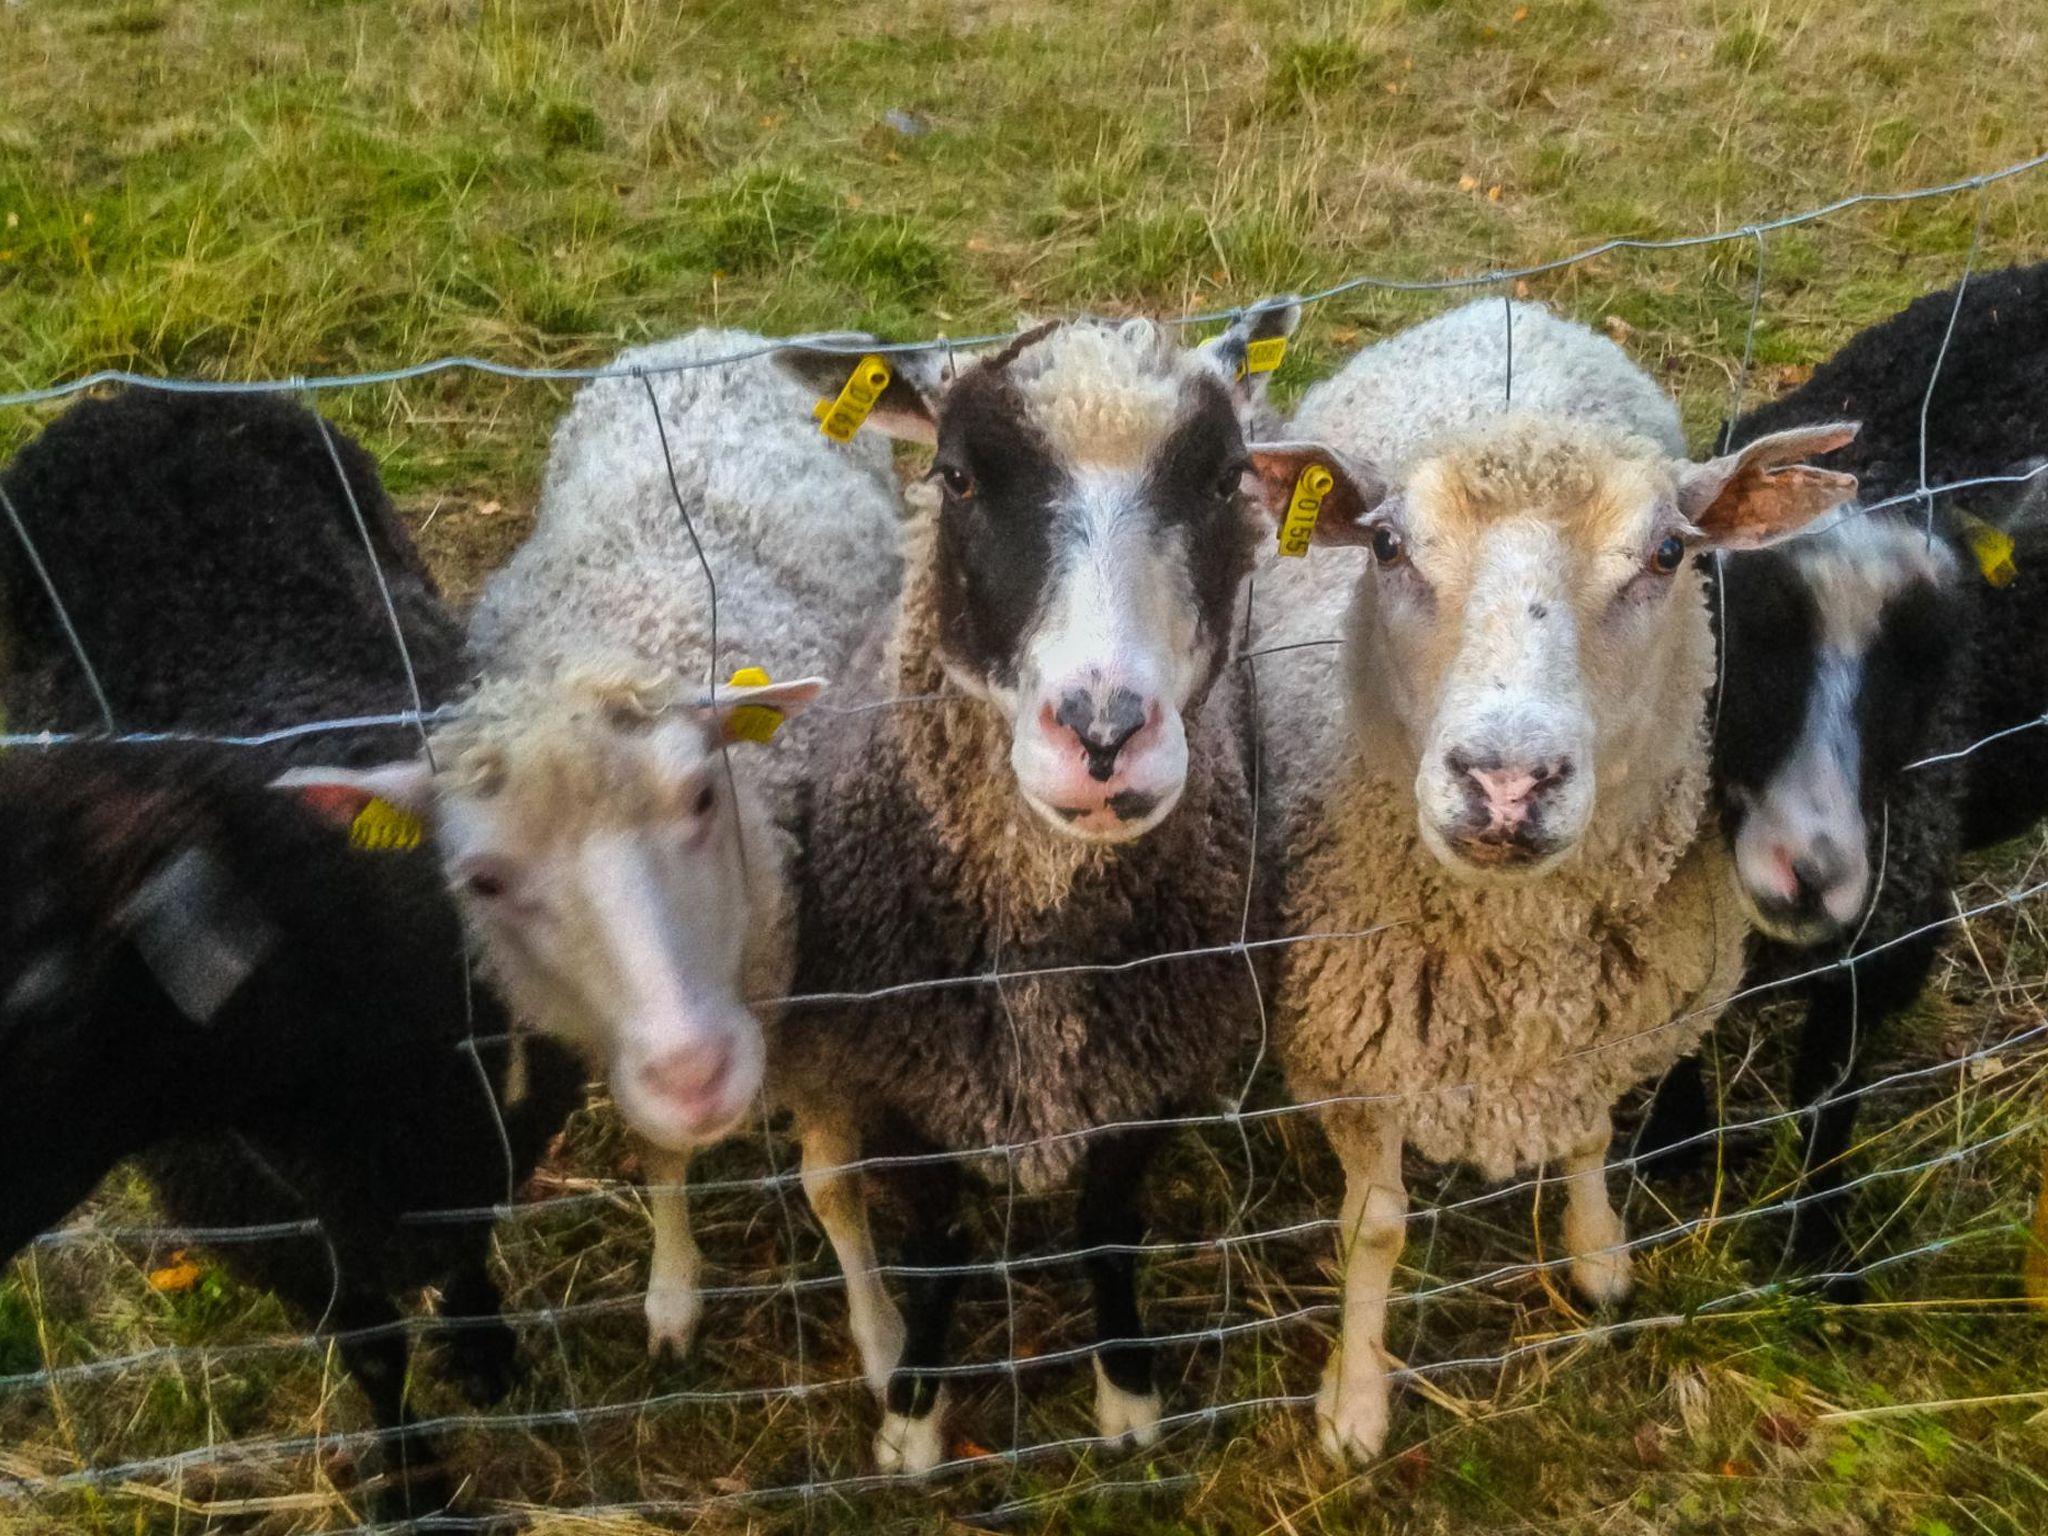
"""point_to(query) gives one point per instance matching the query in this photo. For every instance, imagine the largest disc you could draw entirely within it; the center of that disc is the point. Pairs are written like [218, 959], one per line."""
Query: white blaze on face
[1111, 663]
[1803, 850]
[1510, 715]
[628, 936]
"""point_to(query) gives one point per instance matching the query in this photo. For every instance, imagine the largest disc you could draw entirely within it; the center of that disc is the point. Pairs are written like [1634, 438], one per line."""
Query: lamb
[627, 884]
[1506, 821]
[203, 974]
[1893, 657]
[1071, 792]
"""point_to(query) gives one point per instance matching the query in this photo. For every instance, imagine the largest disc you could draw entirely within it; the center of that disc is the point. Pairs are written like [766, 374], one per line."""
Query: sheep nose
[1505, 795]
[689, 1075]
[1100, 722]
[1818, 869]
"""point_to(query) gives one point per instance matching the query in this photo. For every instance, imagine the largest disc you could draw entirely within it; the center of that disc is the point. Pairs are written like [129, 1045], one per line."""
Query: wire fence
[776, 1416]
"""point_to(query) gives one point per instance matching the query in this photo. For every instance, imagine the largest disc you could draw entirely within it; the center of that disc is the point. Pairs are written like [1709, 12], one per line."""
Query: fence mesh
[209, 1402]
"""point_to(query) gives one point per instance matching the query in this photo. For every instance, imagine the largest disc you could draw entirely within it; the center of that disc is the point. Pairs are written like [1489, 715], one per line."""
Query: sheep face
[613, 865]
[1093, 540]
[1522, 632]
[1838, 651]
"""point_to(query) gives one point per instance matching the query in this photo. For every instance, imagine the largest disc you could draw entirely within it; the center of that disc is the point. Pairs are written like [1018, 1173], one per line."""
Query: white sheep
[1502, 778]
[627, 882]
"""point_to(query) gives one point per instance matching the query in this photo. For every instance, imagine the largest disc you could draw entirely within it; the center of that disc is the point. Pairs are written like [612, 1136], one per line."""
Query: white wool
[800, 535]
[1544, 1002]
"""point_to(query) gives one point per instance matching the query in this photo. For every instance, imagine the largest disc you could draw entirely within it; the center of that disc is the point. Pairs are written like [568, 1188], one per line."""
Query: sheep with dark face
[1066, 788]
[278, 1024]
[1857, 662]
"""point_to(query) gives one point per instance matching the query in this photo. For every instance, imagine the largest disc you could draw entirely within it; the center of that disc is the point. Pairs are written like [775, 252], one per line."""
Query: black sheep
[207, 554]
[1852, 656]
[184, 947]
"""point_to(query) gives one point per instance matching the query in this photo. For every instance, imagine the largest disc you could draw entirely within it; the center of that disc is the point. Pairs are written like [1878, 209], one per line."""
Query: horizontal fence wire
[2012, 1065]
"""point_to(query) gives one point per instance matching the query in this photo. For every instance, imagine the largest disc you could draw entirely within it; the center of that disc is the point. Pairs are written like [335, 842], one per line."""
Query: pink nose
[1510, 792]
[1099, 726]
[688, 1076]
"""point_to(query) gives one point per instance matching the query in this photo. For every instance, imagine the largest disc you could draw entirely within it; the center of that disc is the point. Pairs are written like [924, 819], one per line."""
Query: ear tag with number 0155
[1263, 356]
[840, 418]
[1299, 526]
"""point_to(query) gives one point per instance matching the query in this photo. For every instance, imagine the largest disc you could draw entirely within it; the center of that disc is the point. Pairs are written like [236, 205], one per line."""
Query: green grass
[283, 187]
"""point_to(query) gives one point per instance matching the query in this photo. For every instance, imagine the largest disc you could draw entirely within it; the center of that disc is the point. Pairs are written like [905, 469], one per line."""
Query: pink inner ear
[339, 804]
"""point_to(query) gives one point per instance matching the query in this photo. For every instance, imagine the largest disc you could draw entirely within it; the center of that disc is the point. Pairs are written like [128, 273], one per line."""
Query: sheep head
[1526, 635]
[1093, 540]
[616, 869]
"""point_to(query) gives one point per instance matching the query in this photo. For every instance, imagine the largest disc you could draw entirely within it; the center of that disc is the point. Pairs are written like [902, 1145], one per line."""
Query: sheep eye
[1668, 555]
[1386, 545]
[958, 482]
[486, 885]
[706, 798]
[1228, 481]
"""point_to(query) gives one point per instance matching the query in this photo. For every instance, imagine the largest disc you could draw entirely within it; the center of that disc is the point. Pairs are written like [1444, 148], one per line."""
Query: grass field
[291, 187]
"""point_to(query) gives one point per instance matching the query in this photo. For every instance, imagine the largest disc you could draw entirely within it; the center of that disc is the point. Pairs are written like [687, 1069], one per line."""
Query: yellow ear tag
[1263, 356]
[1992, 547]
[752, 722]
[1310, 487]
[381, 827]
[839, 419]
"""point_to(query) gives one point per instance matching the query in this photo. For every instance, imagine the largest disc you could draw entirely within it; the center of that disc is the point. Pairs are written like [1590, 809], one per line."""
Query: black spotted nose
[1101, 726]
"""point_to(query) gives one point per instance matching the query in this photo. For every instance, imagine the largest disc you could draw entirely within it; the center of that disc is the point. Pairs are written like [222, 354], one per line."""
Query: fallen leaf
[1468, 183]
[1737, 1469]
[1411, 1468]
[1782, 1429]
[1392, 87]
[1521, 14]
[1493, 194]
[490, 509]
[1344, 335]
[1618, 328]
[978, 245]
[733, 1485]
[176, 1277]
[1522, 288]
[1649, 1438]
[966, 1449]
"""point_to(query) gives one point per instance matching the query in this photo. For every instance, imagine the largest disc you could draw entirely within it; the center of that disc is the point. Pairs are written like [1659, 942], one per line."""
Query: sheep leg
[415, 1477]
[912, 1438]
[832, 1184]
[1351, 1410]
[675, 1301]
[482, 1350]
[1593, 1233]
[1110, 1224]
[1680, 1116]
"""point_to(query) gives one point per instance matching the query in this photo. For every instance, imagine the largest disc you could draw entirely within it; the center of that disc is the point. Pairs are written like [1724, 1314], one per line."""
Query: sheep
[1893, 656]
[1068, 790]
[1504, 821]
[628, 887]
[280, 1027]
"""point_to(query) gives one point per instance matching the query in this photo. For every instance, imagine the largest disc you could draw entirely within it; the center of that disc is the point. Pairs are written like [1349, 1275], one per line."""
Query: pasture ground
[287, 187]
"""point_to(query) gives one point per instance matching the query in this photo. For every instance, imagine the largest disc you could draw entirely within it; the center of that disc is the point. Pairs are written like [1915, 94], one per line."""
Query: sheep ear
[908, 405]
[756, 713]
[339, 794]
[1761, 494]
[1356, 489]
[1243, 353]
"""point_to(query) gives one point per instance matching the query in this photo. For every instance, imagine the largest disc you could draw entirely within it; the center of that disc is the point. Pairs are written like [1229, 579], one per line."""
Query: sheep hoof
[1124, 1417]
[1604, 1279]
[879, 1340]
[1351, 1418]
[912, 1446]
[484, 1364]
[672, 1317]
